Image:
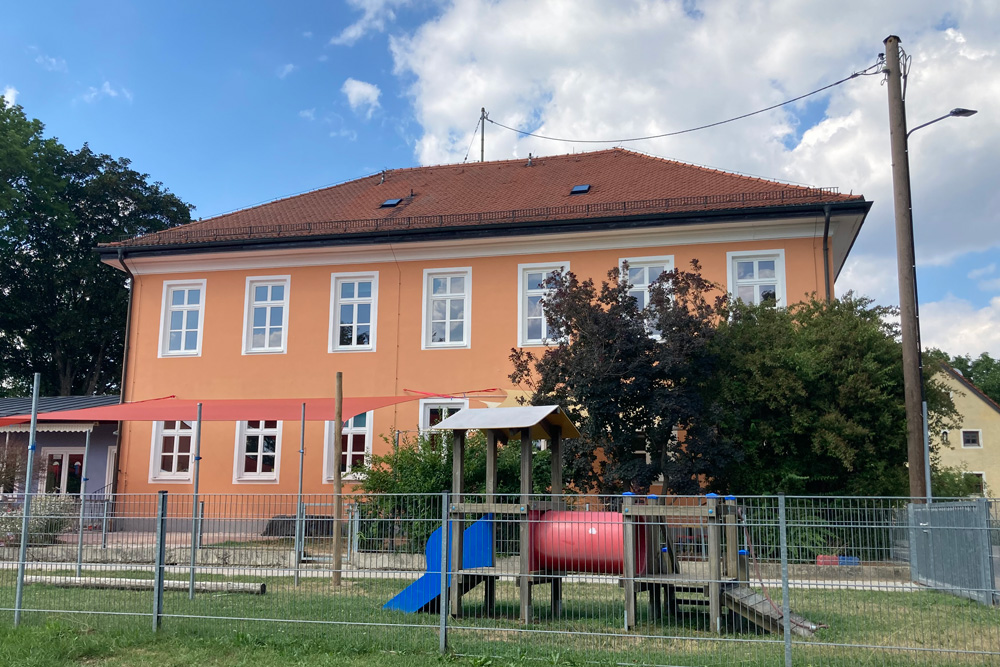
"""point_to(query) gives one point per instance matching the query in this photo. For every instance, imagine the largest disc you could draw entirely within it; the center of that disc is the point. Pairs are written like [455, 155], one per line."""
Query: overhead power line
[872, 69]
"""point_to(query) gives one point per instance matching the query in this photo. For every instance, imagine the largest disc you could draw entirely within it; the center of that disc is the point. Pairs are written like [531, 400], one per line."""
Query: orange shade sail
[229, 409]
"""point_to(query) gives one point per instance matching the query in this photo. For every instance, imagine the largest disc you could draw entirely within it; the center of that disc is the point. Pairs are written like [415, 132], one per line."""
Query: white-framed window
[757, 276]
[181, 318]
[266, 316]
[355, 446]
[643, 272]
[980, 478]
[532, 329]
[435, 410]
[447, 308]
[972, 438]
[172, 455]
[353, 311]
[258, 451]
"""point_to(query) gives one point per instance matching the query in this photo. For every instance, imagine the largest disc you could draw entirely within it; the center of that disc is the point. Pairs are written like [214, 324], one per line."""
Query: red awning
[229, 409]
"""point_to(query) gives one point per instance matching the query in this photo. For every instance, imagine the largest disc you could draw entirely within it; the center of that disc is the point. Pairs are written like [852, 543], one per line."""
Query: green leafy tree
[983, 371]
[635, 397]
[813, 398]
[62, 313]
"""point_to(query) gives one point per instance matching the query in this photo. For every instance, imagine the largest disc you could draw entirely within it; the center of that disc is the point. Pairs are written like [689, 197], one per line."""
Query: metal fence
[698, 580]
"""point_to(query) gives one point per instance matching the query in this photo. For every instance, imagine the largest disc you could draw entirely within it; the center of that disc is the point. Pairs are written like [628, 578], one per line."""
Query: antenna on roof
[383, 178]
[482, 136]
[529, 159]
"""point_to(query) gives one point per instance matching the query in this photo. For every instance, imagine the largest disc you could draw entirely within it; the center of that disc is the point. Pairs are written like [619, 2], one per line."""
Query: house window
[533, 329]
[355, 445]
[266, 314]
[172, 451]
[642, 273]
[980, 483]
[972, 439]
[447, 306]
[433, 412]
[757, 277]
[353, 311]
[181, 318]
[257, 450]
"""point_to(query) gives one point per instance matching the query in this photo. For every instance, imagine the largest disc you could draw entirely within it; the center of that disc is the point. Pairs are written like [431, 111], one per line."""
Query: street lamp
[958, 112]
[917, 441]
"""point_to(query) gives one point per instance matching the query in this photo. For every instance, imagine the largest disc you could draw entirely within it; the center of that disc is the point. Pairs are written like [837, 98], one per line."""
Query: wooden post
[732, 546]
[714, 564]
[338, 483]
[653, 529]
[457, 521]
[555, 448]
[525, 559]
[489, 585]
[628, 552]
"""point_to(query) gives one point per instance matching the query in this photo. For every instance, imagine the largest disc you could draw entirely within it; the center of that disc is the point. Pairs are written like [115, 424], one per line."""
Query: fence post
[297, 553]
[104, 523]
[160, 555]
[83, 504]
[785, 610]
[28, 476]
[195, 524]
[201, 522]
[443, 631]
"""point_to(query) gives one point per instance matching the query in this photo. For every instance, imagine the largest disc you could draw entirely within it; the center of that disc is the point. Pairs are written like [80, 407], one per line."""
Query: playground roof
[235, 409]
[511, 420]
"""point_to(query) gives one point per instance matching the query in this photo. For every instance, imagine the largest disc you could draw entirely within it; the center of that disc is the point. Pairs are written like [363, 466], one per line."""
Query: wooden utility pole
[338, 484]
[482, 134]
[906, 267]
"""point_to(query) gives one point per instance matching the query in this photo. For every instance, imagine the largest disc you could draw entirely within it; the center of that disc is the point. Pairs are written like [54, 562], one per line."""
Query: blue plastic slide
[424, 593]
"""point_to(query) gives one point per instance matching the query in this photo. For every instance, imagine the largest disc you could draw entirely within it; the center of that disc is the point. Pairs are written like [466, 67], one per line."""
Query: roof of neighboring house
[22, 406]
[623, 184]
[965, 382]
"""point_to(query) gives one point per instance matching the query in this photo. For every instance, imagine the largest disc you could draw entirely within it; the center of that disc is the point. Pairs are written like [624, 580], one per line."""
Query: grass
[341, 626]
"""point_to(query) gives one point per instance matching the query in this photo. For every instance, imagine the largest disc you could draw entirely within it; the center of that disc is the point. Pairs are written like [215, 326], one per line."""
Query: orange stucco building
[422, 280]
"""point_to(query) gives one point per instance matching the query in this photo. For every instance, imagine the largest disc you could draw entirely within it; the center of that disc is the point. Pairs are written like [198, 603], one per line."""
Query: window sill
[255, 480]
[170, 480]
[166, 354]
[268, 351]
[352, 349]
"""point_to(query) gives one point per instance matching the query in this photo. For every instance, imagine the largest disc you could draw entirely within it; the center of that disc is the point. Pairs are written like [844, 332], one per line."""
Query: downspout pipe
[826, 251]
[128, 331]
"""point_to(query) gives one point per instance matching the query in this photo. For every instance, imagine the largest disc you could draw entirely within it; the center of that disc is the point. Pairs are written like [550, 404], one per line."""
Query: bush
[50, 516]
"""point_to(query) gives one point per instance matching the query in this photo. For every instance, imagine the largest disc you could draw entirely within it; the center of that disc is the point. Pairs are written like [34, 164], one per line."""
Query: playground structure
[556, 540]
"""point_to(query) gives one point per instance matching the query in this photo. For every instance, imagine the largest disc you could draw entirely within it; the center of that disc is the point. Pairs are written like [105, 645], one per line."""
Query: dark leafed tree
[983, 371]
[632, 378]
[62, 313]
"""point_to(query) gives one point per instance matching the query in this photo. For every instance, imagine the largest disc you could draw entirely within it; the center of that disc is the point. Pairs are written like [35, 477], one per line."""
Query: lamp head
[962, 112]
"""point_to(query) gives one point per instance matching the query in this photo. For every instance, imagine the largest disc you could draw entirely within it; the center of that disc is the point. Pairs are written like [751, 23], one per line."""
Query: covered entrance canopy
[230, 409]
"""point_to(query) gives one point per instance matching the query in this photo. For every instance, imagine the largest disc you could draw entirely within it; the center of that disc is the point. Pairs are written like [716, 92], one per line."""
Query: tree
[813, 398]
[983, 371]
[62, 313]
[636, 397]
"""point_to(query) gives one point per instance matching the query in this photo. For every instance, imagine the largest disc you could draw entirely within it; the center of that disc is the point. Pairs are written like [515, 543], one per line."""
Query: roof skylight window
[389, 203]
[580, 189]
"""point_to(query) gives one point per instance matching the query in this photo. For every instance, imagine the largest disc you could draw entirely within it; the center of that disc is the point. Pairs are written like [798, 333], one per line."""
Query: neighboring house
[424, 279]
[975, 444]
[60, 446]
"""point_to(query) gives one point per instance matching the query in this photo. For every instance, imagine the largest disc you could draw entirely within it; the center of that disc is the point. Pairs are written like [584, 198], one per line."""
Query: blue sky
[233, 105]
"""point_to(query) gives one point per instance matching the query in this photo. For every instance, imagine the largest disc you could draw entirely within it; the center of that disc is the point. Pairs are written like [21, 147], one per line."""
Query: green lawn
[347, 626]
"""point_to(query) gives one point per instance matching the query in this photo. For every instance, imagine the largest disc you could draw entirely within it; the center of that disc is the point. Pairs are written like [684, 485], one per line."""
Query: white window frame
[426, 404]
[979, 431]
[155, 474]
[335, 302]
[239, 453]
[166, 308]
[425, 318]
[778, 255]
[522, 301]
[257, 281]
[645, 262]
[109, 471]
[981, 475]
[328, 460]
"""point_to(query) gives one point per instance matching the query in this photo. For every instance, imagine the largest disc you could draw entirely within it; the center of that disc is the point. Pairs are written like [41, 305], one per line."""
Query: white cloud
[307, 34]
[991, 285]
[376, 14]
[362, 96]
[594, 69]
[9, 96]
[982, 271]
[51, 64]
[106, 90]
[956, 326]
[285, 70]
[308, 114]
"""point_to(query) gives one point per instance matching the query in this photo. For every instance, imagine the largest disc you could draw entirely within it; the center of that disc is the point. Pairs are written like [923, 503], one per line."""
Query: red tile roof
[623, 183]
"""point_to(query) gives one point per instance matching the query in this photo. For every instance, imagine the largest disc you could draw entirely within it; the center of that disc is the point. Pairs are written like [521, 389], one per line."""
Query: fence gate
[951, 548]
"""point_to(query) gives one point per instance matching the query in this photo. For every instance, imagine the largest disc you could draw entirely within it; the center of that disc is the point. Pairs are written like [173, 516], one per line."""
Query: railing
[610, 579]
